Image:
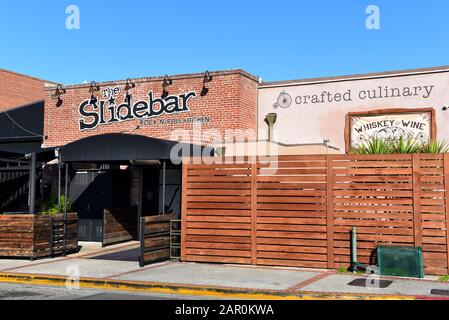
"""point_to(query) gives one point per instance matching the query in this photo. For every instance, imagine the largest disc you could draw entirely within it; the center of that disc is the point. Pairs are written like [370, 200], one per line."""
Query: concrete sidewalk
[254, 281]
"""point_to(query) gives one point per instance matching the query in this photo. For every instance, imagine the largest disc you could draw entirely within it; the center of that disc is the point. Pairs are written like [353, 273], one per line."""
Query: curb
[194, 290]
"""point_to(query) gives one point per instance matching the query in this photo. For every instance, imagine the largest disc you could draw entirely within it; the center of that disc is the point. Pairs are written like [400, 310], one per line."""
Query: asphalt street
[35, 292]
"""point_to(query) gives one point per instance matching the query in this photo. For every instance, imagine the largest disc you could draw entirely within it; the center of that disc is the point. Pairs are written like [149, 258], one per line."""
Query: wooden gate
[298, 210]
[155, 238]
[120, 225]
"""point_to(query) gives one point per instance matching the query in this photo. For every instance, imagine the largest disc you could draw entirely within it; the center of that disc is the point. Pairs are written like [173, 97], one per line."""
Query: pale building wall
[263, 148]
[313, 122]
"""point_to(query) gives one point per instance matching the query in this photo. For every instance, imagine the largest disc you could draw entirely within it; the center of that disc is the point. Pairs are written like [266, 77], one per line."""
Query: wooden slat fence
[218, 220]
[299, 210]
[33, 236]
[292, 212]
[155, 238]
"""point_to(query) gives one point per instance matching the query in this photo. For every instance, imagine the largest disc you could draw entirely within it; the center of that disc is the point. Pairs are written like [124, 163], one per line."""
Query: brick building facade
[230, 104]
[17, 89]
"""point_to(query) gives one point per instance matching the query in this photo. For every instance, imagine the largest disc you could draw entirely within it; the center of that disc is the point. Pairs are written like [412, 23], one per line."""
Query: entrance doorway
[93, 191]
[161, 190]
[153, 190]
[111, 199]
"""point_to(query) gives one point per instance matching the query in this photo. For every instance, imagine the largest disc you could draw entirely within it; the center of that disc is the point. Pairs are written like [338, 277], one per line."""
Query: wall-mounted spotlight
[94, 87]
[58, 93]
[270, 120]
[129, 85]
[206, 79]
[167, 82]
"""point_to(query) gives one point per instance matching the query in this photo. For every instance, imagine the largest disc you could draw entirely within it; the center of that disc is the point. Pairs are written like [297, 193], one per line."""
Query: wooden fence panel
[34, 236]
[433, 214]
[368, 195]
[299, 210]
[17, 236]
[217, 226]
[291, 213]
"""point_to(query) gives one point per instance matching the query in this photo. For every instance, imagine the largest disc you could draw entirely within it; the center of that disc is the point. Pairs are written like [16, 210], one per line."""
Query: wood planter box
[33, 236]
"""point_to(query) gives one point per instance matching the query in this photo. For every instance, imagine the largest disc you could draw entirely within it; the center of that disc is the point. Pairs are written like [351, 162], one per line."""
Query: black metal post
[66, 184]
[32, 184]
[59, 184]
[142, 243]
[140, 207]
[163, 186]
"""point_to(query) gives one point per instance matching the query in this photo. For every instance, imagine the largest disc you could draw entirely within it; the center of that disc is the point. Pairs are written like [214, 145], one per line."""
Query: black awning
[22, 128]
[126, 147]
[24, 123]
[22, 147]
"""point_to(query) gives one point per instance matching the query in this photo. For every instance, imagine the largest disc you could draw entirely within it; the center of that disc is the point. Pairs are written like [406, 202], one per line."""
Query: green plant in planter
[54, 207]
[435, 146]
[374, 146]
[403, 145]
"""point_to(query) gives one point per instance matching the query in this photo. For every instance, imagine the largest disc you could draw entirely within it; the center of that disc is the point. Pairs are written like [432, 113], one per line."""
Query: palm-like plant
[374, 146]
[435, 146]
[403, 145]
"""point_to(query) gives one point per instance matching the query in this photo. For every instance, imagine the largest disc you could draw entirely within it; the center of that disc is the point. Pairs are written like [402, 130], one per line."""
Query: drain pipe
[354, 249]
[270, 120]
[355, 265]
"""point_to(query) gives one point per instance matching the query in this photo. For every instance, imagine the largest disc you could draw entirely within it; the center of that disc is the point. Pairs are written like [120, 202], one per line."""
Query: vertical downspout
[354, 261]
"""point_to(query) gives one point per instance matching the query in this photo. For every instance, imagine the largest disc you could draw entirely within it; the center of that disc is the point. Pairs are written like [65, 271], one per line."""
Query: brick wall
[231, 103]
[17, 90]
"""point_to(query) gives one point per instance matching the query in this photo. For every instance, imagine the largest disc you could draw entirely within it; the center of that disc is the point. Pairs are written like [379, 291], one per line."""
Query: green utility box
[400, 261]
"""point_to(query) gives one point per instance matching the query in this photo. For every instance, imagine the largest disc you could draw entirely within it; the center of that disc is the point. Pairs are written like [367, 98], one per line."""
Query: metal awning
[21, 133]
[126, 147]
[22, 128]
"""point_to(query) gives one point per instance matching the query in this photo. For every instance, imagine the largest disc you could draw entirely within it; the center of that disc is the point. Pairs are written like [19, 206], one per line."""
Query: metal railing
[175, 240]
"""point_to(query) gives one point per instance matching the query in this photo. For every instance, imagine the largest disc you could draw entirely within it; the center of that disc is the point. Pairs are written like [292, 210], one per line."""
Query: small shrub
[54, 207]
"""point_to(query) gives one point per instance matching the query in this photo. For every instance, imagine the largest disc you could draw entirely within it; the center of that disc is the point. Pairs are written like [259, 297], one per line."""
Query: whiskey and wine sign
[94, 112]
[416, 124]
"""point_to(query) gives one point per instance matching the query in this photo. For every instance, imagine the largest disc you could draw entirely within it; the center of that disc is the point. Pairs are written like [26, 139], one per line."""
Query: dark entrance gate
[93, 191]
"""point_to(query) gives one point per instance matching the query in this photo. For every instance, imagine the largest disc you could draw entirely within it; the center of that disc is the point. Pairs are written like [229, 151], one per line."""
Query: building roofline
[161, 78]
[366, 76]
[9, 109]
[27, 76]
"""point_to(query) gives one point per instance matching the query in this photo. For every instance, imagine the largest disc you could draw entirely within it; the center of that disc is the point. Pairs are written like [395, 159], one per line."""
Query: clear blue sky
[276, 40]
